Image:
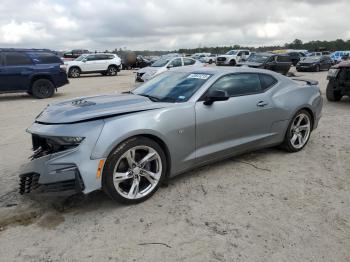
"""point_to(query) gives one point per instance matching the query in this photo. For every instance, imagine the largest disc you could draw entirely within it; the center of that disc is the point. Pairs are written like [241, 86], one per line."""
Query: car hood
[250, 64]
[96, 107]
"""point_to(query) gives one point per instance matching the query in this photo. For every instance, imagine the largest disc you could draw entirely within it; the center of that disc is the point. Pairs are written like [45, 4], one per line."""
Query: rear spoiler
[308, 81]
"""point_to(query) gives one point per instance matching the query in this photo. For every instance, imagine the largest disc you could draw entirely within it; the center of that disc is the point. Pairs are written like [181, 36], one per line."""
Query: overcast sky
[168, 24]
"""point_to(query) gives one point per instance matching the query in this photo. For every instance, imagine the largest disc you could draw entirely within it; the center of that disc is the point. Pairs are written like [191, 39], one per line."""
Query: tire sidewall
[107, 175]
[35, 89]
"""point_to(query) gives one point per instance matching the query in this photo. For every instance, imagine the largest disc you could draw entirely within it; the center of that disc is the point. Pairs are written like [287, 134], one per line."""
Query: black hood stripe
[97, 118]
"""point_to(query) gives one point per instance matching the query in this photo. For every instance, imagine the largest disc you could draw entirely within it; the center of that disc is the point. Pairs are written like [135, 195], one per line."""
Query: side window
[238, 84]
[46, 58]
[176, 62]
[240, 53]
[188, 61]
[267, 81]
[246, 52]
[17, 58]
[91, 58]
[283, 58]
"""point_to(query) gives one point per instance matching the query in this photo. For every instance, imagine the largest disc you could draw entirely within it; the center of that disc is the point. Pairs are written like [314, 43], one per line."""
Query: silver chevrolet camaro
[129, 144]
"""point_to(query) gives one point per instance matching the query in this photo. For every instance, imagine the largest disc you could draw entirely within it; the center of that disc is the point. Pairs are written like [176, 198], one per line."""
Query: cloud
[168, 24]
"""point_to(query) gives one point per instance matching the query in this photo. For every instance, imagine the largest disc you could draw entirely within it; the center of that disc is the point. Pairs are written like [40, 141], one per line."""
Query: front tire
[74, 72]
[134, 170]
[42, 88]
[331, 94]
[232, 62]
[298, 132]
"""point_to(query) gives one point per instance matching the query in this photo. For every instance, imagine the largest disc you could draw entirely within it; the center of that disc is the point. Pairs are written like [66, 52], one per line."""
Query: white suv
[162, 65]
[106, 64]
[232, 57]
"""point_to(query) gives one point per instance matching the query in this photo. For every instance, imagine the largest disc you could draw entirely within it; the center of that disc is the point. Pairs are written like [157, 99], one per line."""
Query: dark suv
[38, 72]
[339, 81]
[270, 61]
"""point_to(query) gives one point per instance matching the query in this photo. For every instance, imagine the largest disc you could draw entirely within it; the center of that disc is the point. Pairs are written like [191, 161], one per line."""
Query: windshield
[258, 58]
[172, 86]
[232, 52]
[160, 63]
[80, 58]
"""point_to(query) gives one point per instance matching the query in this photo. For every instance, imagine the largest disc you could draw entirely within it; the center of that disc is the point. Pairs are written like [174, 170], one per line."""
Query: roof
[25, 50]
[221, 70]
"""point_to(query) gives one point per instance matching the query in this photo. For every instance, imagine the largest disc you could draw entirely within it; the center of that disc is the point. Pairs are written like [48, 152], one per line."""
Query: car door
[241, 123]
[101, 62]
[89, 64]
[283, 64]
[188, 61]
[16, 71]
[176, 62]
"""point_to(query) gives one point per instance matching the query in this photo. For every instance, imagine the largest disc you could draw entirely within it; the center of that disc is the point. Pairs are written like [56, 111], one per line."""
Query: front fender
[175, 126]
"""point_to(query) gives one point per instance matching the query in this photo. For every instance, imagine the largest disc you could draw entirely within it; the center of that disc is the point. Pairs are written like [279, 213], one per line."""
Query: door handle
[262, 104]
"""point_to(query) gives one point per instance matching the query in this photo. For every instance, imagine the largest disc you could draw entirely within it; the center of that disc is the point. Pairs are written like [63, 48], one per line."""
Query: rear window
[46, 58]
[267, 81]
[17, 58]
[283, 58]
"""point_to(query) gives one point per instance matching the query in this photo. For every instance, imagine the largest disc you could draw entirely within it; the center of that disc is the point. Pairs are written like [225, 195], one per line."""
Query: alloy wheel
[112, 71]
[300, 130]
[137, 172]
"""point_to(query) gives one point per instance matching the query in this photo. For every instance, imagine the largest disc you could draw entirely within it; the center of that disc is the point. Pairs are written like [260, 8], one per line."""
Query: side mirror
[170, 66]
[84, 60]
[215, 95]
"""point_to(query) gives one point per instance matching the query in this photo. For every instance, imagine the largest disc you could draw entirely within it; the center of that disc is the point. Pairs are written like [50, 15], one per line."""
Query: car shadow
[25, 96]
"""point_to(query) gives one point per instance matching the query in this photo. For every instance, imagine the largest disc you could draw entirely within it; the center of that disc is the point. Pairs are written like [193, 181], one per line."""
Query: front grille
[43, 146]
[221, 59]
[29, 183]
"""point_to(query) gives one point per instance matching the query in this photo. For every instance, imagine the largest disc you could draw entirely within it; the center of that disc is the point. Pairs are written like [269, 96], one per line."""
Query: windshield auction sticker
[199, 76]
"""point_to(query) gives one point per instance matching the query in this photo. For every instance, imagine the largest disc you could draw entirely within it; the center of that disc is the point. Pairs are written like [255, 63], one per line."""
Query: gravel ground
[264, 206]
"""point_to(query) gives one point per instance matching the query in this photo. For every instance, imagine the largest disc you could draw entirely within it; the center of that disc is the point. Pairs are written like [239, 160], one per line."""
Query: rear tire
[42, 88]
[331, 94]
[125, 166]
[210, 62]
[298, 132]
[112, 70]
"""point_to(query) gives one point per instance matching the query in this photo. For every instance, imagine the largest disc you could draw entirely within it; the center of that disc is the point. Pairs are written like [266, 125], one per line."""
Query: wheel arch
[153, 137]
[40, 76]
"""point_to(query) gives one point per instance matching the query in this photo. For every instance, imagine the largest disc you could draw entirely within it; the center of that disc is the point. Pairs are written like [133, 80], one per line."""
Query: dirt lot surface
[263, 206]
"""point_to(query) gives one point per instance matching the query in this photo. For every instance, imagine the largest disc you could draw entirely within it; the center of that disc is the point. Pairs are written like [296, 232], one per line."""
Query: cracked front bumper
[65, 172]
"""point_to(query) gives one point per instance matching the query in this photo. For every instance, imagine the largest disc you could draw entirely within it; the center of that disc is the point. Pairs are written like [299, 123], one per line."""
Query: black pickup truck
[274, 62]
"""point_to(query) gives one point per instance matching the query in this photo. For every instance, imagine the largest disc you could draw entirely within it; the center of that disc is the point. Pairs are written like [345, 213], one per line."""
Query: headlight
[67, 140]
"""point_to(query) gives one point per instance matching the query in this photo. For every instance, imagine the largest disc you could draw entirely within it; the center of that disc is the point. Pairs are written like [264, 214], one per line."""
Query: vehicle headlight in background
[63, 67]
[332, 73]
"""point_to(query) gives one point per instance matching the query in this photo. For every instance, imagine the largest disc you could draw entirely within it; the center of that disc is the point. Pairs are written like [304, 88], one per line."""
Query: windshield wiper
[152, 98]
[127, 92]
